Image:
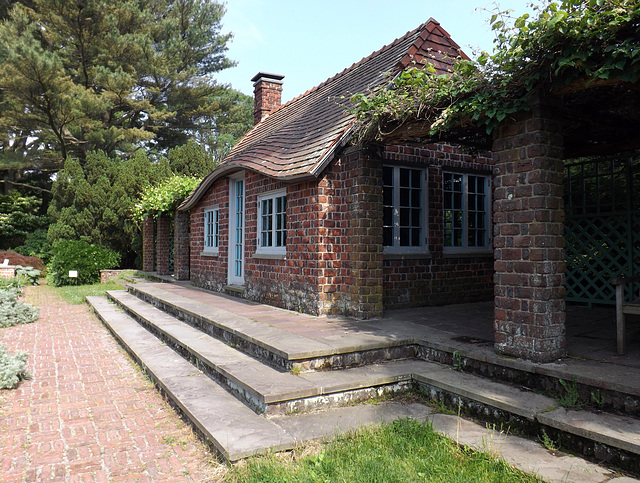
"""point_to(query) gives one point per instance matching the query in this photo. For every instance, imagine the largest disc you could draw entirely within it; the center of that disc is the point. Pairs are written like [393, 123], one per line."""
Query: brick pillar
[528, 214]
[148, 242]
[364, 218]
[181, 245]
[163, 250]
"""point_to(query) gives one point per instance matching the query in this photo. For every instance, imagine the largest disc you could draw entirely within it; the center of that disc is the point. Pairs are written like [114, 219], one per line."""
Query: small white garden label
[73, 274]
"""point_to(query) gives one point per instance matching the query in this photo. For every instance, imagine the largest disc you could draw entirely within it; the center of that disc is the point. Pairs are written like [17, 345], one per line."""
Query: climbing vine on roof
[570, 44]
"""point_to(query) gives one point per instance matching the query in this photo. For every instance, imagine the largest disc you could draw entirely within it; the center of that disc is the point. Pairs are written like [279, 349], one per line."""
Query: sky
[310, 41]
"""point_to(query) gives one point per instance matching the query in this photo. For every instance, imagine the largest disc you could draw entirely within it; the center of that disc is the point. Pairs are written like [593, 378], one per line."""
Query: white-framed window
[211, 230]
[405, 214]
[466, 212]
[272, 223]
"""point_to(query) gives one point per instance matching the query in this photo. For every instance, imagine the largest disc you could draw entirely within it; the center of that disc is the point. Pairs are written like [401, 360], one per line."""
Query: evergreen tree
[93, 202]
[109, 75]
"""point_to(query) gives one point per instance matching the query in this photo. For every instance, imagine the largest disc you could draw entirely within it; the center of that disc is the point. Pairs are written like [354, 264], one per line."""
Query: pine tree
[110, 75]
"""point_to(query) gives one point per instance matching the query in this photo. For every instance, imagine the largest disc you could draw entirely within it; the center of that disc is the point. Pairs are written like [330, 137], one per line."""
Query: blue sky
[310, 41]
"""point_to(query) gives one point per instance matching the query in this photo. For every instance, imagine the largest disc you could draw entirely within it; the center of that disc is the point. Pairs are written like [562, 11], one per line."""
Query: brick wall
[163, 244]
[437, 278]
[148, 245]
[335, 262]
[350, 236]
[528, 237]
[181, 245]
[210, 271]
[290, 282]
[7, 272]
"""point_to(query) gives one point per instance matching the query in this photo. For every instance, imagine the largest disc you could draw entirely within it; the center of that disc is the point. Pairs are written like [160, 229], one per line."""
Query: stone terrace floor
[89, 414]
[591, 332]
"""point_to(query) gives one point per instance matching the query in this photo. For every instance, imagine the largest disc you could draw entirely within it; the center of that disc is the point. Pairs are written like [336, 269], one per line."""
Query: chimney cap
[266, 76]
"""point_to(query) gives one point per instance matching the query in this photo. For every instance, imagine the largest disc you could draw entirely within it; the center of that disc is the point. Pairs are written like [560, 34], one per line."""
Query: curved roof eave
[230, 168]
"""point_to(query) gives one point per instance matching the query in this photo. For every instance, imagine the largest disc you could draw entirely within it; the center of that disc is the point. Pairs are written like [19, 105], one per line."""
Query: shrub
[28, 275]
[13, 312]
[13, 368]
[11, 283]
[85, 258]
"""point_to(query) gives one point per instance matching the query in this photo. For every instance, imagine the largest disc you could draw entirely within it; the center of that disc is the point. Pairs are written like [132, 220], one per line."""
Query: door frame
[237, 220]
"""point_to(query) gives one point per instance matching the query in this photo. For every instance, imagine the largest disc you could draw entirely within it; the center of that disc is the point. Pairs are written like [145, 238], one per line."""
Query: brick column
[181, 245]
[163, 249]
[148, 242]
[365, 220]
[528, 215]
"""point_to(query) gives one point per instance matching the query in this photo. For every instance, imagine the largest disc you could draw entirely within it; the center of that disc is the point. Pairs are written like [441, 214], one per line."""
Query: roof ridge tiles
[361, 61]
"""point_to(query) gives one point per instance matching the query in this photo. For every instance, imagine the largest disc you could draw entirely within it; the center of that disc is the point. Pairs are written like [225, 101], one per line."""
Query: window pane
[387, 176]
[465, 210]
[404, 197]
[416, 215]
[405, 177]
[387, 236]
[415, 237]
[402, 206]
[457, 201]
[405, 216]
[416, 198]
[404, 237]
[416, 178]
[387, 216]
[216, 228]
[387, 196]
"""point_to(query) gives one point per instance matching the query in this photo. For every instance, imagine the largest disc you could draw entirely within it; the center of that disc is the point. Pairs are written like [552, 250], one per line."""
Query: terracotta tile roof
[298, 140]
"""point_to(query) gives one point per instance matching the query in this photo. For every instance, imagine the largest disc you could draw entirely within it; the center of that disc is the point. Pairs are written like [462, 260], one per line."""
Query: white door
[236, 232]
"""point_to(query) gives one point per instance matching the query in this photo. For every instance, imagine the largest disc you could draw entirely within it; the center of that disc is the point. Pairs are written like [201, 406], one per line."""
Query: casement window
[211, 230]
[466, 212]
[404, 216]
[272, 223]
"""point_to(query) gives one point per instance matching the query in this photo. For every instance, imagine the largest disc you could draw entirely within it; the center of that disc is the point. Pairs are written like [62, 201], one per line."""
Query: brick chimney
[267, 93]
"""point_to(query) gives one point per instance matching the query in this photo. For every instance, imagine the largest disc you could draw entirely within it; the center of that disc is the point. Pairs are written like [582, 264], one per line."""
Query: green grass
[404, 451]
[75, 294]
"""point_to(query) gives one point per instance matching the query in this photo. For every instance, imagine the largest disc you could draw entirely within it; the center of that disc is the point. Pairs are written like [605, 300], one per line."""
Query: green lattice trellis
[602, 227]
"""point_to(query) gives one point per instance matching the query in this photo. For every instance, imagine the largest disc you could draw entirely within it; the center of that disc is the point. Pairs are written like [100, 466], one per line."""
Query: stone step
[607, 437]
[264, 388]
[276, 346]
[234, 429]
[378, 341]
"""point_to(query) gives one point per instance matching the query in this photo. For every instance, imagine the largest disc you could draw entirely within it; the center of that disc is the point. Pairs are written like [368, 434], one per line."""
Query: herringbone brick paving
[89, 414]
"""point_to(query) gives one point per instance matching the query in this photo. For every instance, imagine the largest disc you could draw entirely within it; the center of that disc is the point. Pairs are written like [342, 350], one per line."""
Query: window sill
[208, 254]
[270, 256]
[468, 254]
[408, 256]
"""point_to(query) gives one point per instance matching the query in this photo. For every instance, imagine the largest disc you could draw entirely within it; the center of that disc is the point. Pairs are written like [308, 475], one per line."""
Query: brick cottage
[299, 217]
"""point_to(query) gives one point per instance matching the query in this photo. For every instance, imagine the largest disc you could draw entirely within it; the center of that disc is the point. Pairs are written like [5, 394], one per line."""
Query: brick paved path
[88, 414]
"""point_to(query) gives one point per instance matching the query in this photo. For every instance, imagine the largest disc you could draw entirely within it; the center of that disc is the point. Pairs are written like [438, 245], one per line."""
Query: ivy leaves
[165, 196]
